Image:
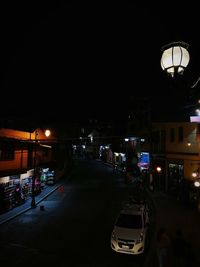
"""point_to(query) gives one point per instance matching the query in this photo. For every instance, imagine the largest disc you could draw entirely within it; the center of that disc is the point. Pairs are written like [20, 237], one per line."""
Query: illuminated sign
[194, 118]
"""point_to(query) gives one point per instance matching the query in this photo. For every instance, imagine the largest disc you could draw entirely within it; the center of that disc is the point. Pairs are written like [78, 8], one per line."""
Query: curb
[29, 208]
[60, 182]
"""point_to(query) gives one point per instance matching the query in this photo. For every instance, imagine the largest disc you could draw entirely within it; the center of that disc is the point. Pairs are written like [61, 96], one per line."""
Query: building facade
[22, 156]
[174, 148]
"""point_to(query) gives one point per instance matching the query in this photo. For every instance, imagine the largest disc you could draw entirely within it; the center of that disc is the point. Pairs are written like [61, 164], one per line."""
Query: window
[180, 134]
[130, 221]
[163, 140]
[198, 131]
[7, 150]
[172, 135]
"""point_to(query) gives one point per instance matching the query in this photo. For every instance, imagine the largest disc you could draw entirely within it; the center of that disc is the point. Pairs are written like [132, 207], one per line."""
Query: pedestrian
[181, 249]
[162, 245]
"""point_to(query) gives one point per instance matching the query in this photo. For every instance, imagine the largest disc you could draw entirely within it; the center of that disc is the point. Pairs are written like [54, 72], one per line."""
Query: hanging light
[197, 183]
[47, 133]
[175, 58]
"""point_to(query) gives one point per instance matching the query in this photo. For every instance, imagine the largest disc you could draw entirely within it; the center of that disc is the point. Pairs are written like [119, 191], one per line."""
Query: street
[74, 225]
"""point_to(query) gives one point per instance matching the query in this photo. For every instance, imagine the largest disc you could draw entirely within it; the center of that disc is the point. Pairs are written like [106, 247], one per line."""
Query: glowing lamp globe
[175, 58]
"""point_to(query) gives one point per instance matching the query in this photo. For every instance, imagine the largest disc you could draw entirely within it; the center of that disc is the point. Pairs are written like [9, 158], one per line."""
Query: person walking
[182, 251]
[162, 244]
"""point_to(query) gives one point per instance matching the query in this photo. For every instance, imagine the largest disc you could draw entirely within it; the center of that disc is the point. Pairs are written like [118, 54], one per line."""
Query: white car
[130, 229]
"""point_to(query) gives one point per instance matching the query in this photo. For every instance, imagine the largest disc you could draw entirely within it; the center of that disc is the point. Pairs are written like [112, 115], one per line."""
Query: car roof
[133, 208]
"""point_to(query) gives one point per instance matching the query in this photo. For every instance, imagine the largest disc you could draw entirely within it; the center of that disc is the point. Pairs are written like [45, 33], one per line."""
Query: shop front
[16, 189]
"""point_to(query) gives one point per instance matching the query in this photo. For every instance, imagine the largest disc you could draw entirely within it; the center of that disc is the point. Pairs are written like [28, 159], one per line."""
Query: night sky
[78, 61]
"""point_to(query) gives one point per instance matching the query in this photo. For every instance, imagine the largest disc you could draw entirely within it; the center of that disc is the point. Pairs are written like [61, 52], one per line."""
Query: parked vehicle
[130, 229]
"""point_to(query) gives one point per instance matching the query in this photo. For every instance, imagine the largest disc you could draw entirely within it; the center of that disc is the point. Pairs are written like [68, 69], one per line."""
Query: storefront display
[15, 189]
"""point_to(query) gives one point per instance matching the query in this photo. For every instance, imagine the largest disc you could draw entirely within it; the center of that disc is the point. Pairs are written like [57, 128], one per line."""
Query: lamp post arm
[195, 84]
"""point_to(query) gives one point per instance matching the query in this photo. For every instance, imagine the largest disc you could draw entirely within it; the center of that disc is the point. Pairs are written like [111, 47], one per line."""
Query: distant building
[19, 149]
[175, 147]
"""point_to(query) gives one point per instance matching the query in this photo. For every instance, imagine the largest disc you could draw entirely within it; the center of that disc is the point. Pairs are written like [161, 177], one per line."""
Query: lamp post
[33, 204]
[159, 172]
[47, 134]
[175, 58]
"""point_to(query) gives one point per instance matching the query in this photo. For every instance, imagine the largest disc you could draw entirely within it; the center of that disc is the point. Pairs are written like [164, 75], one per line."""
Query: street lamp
[175, 58]
[159, 172]
[47, 134]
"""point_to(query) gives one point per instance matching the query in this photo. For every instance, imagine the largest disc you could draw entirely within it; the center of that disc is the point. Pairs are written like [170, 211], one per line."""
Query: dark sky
[81, 61]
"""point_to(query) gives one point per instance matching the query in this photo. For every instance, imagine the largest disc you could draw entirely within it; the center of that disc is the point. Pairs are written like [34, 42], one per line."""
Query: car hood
[127, 233]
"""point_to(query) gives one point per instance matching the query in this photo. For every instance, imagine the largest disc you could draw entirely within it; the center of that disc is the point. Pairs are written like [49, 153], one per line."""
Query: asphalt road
[75, 226]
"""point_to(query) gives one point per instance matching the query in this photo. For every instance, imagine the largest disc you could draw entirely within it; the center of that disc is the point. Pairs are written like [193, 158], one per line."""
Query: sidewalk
[171, 214]
[5, 217]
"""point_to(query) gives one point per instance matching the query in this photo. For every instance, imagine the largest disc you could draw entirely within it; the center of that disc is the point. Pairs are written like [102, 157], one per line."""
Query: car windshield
[133, 221]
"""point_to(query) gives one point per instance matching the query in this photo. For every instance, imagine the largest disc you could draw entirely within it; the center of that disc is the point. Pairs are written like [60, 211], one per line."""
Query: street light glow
[47, 133]
[175, 58]
[158, 169]
[197, 184]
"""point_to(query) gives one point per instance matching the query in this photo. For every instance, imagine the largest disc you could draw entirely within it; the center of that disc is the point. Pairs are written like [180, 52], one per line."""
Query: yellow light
[158, 169]
[47, 133]
[194, 174]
